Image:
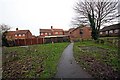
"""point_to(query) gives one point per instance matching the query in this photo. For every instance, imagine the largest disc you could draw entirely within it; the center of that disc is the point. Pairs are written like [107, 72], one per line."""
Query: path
[68, 68]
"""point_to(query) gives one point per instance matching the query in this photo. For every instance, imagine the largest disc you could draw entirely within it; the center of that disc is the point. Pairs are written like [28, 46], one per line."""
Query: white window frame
[61, 32]
[19, 34]
[41, 33]
[23, 35]
[111, 31]
[15, 34]
[106, 32]
[56, 32]
[101, 32]
[116, 30]
[46, 33]
[49, 33]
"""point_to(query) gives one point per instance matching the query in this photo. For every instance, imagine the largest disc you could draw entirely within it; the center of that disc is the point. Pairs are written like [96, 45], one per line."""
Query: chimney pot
[51, 27]
[16, 29]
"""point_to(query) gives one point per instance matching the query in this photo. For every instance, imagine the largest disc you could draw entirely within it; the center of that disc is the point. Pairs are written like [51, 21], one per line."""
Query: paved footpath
[68, 68]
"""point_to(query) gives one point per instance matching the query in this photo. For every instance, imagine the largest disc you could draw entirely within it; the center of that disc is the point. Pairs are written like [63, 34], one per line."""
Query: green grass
[32, 61]
[107, 56]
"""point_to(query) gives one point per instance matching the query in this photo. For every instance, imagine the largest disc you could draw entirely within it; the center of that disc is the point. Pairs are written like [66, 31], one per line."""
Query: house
[80, 33]
[22, 34]
[51, 32]
[18, 34]
[112, 30]
[53, 35]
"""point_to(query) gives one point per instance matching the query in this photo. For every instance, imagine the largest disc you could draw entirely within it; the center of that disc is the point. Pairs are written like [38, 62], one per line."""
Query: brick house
[53, 35]
[80, 33]
[112, 30]
[23, 34]
[18, 34]
[51, 32]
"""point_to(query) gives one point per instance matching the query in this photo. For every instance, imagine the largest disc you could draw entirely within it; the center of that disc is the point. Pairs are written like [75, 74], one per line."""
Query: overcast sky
[36, 14]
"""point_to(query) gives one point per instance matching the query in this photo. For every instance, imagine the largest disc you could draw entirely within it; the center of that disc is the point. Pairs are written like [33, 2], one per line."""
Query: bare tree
[95, 13]
[3, 31]
[4, 28]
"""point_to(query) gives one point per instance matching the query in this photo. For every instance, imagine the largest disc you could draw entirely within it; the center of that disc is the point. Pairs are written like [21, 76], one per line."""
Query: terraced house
[80, 33]
[18, 34]
[53, 35]
[110, 31]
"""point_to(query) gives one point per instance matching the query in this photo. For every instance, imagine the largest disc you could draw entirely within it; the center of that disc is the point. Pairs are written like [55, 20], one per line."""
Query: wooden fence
[24, 42]
[32, 41]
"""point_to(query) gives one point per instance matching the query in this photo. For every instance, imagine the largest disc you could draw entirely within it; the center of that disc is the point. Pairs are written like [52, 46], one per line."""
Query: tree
[95, 13]
[3, 31]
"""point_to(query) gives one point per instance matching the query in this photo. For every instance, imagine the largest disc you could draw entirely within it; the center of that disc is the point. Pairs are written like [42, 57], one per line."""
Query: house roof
[57, 29]
[71, 29]
[45, 30]
[10, 33]
[50, 30]
[111, 27]
[21, 31]
[80, 28]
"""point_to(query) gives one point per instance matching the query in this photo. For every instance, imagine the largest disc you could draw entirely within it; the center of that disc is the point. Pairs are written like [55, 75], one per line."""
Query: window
[16, 35]
[106, 32]
[45, 33]
[101, 32]
[56, 32]
[19, 34]
[41, 33]
[81, 31]
[61, 32]
[23, 34]
[116, 31]
[49, 33]
[111, 31]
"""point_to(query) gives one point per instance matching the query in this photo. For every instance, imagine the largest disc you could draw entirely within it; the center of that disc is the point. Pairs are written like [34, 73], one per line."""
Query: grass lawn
[34, 61]
[100, 60]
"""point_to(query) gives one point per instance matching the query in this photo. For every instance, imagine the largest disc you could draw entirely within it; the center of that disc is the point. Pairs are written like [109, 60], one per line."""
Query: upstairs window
[116, 31]
[81, 31]
[19, 34]
[101, 32]
[16, 35]
[23, 34]
[111, 31]
[41, 33]
[45, 33]
[49, 33]
[56, 32]
[106, 32]
[61, 32]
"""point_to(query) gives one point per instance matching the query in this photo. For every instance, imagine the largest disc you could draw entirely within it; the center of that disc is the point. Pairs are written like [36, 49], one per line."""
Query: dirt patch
[93, 49]
[96, 67]
[14, 67]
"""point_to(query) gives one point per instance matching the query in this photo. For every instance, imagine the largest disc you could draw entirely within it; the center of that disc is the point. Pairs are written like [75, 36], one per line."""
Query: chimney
[16, 29]
[51, 27]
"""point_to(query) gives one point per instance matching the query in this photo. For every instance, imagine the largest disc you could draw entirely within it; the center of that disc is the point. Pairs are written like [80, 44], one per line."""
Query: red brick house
[51, 32]
[23, 34]
[112, 30]
[53, 35]
[18, 34]
[80, 33]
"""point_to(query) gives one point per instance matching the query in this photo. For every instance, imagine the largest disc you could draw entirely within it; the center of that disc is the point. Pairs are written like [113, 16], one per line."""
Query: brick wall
[75, 34]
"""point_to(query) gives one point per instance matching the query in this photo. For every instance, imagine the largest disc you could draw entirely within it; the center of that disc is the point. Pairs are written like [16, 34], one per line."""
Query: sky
[37, 14]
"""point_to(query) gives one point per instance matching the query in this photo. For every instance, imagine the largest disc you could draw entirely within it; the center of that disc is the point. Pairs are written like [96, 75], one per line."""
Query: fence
[24, 42]
[32, 41]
